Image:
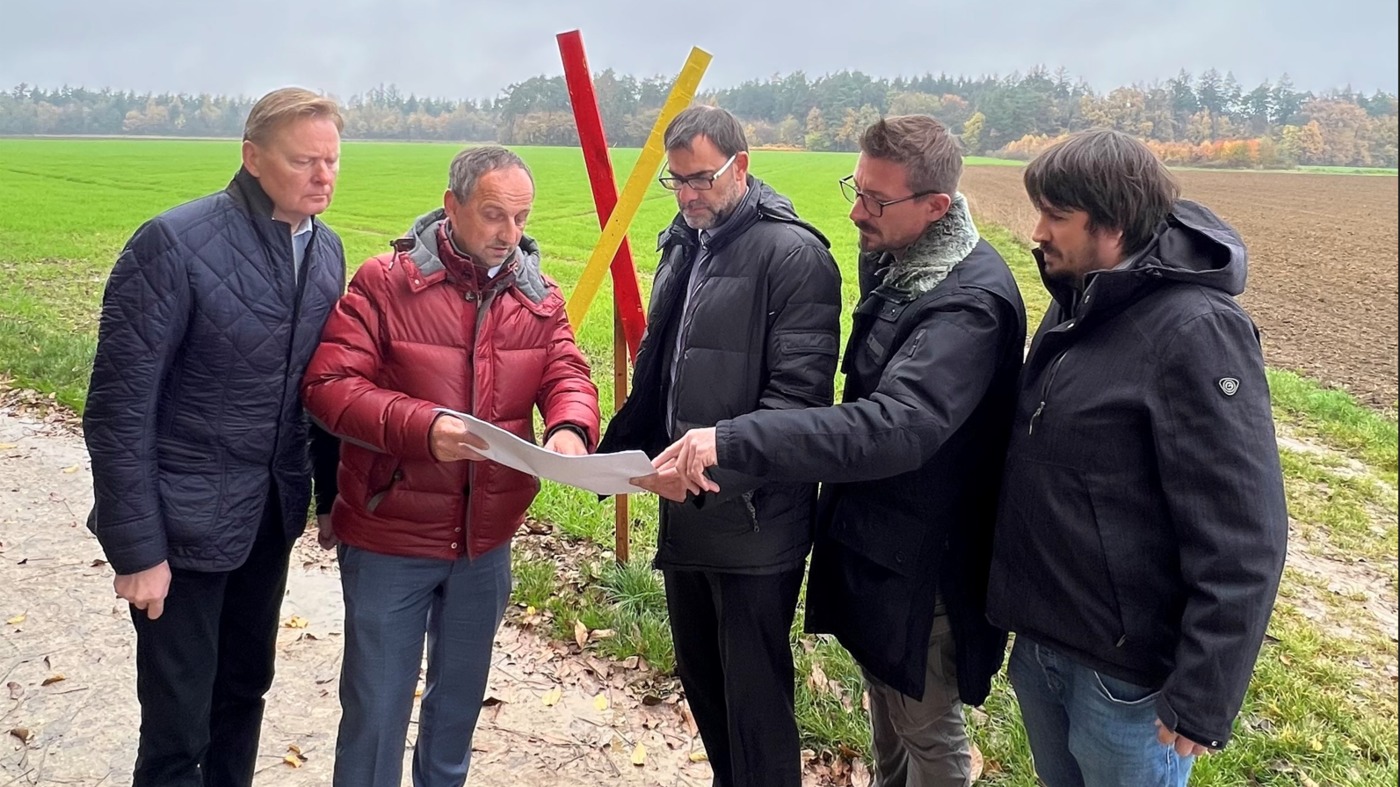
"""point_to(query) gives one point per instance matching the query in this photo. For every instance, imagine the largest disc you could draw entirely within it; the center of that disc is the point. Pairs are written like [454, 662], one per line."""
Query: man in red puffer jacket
[458, 315]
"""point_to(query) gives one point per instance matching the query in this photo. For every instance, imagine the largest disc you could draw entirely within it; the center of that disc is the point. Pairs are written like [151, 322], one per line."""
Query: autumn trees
[1205, 120]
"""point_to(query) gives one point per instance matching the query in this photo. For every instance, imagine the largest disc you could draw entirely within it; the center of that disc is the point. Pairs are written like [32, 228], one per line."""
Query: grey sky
[469, 49]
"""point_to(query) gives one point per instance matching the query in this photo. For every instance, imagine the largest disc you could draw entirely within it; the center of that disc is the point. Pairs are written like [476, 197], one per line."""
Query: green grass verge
[1337, 419]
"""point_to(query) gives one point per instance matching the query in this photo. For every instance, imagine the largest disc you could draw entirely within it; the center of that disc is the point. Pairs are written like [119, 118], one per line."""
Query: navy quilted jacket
[194, 404]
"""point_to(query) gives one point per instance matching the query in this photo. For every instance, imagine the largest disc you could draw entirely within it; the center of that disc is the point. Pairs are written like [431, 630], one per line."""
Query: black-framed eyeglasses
[872, 206]
[696, 182]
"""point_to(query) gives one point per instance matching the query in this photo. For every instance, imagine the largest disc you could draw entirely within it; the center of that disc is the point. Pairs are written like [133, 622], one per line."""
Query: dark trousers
[203, 667]
[734, 658]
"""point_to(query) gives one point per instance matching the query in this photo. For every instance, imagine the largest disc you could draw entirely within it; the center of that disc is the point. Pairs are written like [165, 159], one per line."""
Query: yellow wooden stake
[648, 163]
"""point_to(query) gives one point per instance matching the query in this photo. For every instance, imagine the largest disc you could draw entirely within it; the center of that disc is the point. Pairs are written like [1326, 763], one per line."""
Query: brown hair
[717, 125]
[1109, 175]
[284, 105]
[922, 145]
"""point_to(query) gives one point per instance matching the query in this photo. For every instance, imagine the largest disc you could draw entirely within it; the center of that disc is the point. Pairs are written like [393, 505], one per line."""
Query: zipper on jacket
[483, 305]
[682, 342]
[378, 497]
[753, 510]
[1045, 390]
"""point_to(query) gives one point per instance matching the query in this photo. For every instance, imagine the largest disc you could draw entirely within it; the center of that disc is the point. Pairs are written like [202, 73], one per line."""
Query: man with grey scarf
[909, 461]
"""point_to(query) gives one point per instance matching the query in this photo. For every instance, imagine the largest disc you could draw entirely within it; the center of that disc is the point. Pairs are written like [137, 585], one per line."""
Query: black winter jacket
[911, 463]
[762, 334]
[1142, 525]
[194, 404]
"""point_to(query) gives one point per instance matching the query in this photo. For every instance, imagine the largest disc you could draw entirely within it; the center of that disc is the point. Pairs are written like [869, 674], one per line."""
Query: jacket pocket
[886, 535]
[192, 481]
[808, 342]
[1051, 573]
[384, 475]
[1139, 549]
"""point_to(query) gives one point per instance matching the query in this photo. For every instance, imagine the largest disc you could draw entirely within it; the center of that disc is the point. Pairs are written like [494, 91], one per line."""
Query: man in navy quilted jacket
[201, 456]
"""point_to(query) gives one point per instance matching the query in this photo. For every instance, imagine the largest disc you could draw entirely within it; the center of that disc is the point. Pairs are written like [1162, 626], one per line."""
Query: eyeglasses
[872, 206]
[696, 182]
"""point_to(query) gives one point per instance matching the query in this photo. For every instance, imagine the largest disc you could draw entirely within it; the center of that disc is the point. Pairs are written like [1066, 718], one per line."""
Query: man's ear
[938, 206]
[250, 157]
[741, 165]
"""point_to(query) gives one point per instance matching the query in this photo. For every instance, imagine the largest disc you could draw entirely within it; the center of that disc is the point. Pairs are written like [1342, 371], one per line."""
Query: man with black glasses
[744, 316]
[909, 461]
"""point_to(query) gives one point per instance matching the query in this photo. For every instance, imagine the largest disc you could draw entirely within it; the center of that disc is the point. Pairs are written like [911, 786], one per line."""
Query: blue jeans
[1087, 729]
[391, 604]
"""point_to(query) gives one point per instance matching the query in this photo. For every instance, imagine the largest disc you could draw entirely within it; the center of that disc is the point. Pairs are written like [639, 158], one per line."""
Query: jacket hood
[1191, 245]
[420, 245]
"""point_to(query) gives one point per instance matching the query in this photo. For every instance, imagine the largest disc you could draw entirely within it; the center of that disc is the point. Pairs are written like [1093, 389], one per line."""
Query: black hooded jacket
[1142, 527]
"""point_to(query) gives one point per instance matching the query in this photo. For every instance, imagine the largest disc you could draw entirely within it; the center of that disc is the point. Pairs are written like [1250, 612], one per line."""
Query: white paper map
[603, 474]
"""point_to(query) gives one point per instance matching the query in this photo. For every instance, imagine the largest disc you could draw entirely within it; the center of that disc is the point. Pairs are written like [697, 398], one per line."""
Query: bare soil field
[1323, 274]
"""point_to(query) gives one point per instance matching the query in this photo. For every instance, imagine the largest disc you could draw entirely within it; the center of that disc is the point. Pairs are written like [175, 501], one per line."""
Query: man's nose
[1041, 233]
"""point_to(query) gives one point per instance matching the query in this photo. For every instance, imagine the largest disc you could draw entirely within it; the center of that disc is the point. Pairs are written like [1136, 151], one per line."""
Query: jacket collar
[1192, 245]
[425, 244]
[929, 259]
[760, 203]
[248, 194]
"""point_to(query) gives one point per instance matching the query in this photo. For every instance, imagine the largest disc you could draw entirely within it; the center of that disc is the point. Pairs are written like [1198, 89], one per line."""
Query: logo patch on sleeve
[1228, 385]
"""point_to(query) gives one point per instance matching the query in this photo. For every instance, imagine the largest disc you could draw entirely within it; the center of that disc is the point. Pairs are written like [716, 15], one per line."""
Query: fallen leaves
[71, 469]
[860, 774]
[52, 679]
[639, 755]
[552, 697]
[296, 622]
[601, 702]
[23, 733]
[17, 619]
[16, 690]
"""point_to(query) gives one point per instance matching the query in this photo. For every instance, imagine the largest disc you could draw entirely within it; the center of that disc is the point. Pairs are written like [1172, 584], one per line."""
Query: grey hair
[469, 165]
[713, 123]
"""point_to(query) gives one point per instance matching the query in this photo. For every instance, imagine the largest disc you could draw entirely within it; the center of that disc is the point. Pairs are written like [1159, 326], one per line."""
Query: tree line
[1204, 120]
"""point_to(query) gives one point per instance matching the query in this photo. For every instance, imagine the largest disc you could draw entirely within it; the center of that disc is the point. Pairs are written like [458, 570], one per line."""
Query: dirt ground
[66, 659]
[1323, 276]
[552, 714]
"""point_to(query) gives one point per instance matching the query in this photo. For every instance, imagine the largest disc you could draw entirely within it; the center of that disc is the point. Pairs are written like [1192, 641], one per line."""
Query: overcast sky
[469, 49]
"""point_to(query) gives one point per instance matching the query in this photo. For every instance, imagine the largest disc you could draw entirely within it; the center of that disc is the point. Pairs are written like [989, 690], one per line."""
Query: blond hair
[285, 105]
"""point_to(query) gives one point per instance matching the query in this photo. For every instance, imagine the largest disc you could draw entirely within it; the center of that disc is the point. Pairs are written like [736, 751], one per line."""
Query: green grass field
[1322, 709]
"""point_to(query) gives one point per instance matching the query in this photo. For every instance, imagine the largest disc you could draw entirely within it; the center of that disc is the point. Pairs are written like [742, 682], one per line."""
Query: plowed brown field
[1322, 276]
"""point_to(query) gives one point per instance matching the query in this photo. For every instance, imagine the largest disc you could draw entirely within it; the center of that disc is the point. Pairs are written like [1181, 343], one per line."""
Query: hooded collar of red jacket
[465, 273]
[428, 248]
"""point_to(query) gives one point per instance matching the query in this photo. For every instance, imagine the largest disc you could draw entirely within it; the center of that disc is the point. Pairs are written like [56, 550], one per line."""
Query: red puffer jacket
[421, 328]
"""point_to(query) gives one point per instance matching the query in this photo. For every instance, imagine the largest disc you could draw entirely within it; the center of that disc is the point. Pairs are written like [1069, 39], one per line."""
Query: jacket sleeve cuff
[1173, 721]
[576, 429]
[416, 437]
[130, 555]
[725, 449]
